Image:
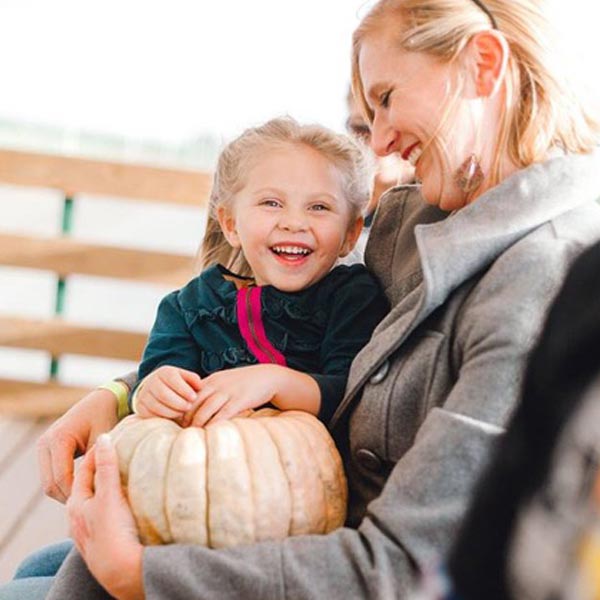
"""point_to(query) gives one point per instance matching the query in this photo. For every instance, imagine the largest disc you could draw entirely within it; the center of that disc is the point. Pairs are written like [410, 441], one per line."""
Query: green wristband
[121, 391]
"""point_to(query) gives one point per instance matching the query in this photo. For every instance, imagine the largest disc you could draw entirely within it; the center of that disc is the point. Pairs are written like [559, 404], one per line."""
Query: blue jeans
[35, 574]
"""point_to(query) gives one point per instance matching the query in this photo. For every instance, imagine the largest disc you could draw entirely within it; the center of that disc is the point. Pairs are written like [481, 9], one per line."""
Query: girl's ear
[351, 236]
[228, 226]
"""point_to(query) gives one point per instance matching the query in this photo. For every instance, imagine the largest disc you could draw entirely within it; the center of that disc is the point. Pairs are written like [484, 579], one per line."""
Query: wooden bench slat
[32, 399]
[67, 257]
[45, 524]
[84, 176]
[61, 337]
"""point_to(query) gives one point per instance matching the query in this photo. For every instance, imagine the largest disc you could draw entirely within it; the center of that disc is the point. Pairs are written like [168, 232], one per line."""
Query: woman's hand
[228, 393]
[102, 525]
[167, 392]
[69, 437]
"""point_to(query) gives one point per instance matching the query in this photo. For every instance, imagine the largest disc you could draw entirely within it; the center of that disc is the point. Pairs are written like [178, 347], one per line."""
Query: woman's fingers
[107, 481]
[83, 482]
[55, 461]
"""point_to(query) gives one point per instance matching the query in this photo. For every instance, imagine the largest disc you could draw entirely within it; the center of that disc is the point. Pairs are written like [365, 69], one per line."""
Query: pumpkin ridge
[166, 492]
[248, 466]
[271, 475]
[285, 472]
[208, 528]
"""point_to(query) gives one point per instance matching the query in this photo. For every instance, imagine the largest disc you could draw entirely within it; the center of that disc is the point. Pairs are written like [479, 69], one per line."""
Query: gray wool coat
[426, 398]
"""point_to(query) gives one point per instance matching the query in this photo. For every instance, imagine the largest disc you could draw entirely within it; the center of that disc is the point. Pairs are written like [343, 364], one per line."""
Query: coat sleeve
[420, 507]
[170, 341]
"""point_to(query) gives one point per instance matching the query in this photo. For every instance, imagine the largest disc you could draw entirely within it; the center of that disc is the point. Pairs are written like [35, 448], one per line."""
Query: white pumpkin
[262, 477]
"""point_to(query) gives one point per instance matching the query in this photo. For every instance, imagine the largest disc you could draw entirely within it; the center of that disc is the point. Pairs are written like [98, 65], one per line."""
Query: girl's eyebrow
[267, 190]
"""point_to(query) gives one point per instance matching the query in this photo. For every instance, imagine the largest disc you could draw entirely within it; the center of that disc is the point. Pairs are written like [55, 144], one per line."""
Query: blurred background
[164, 84]
[147, 82]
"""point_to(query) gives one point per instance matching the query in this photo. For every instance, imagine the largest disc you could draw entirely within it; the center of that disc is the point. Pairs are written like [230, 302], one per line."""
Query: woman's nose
[384, 138]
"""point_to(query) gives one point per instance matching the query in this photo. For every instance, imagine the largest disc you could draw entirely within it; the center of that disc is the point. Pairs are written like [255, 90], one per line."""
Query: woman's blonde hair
[242, 154]
[541, 111]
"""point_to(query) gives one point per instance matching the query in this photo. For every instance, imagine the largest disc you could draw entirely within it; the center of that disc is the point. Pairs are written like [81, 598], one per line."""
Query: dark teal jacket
[319, 330]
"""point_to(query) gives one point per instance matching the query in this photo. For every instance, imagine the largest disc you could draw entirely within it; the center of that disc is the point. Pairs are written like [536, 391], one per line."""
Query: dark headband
[487, 11]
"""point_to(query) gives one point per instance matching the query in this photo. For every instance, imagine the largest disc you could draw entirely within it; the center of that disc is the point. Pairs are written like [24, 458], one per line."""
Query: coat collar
[453, 250]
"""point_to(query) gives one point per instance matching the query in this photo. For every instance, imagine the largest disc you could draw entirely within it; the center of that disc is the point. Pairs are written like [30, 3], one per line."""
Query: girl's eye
[384, 99]
[271, 202]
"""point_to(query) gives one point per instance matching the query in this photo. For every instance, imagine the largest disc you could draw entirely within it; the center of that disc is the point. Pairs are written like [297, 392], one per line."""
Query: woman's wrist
[128, 582]
[121, 393]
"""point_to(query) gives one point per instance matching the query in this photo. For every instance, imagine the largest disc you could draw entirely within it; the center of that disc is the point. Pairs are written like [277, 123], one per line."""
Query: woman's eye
[319, 207]
[384, 99]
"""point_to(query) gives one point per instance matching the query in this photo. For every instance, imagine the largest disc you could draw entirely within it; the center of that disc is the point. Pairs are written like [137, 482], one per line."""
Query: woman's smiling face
[417, 114]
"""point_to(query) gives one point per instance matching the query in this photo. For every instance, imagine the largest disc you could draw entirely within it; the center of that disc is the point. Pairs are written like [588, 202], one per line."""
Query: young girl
[269, 319]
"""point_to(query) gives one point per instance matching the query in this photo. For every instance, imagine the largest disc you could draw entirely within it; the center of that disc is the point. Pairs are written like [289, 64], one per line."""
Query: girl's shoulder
[210, 289]
[344, 283]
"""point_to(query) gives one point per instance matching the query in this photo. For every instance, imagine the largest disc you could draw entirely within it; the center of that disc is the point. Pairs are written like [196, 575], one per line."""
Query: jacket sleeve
[170, 341]
[357, 306]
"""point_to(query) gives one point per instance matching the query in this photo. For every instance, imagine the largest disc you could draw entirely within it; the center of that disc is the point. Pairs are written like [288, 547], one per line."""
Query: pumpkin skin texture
[257, 477]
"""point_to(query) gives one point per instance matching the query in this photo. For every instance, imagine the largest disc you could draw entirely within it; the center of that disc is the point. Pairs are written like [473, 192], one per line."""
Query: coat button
[380, 374]
[368, 459]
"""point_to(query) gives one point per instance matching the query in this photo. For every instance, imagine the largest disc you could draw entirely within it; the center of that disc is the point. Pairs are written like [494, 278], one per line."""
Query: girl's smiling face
[291, 218]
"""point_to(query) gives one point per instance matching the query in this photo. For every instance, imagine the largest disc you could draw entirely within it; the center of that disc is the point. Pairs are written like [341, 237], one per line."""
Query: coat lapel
[453, 250]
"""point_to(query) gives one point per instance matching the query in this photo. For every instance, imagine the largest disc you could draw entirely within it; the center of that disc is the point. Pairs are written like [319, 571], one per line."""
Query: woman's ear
[351, 236]
[489, 50]
[228, 226]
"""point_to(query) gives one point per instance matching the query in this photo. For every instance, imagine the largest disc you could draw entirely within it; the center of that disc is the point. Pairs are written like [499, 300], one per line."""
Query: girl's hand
[103, 526]
[228, 393]
[225, 394]
[167, 392]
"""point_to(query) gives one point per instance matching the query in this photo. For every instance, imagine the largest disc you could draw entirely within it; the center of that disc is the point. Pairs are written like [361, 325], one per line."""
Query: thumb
[107, 478]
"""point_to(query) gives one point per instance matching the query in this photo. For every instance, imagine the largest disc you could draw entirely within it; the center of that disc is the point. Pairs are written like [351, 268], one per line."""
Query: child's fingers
[208, 408]
[171, 397]
[152, 406]
[177, 381]
[227, 411]
[191, 378]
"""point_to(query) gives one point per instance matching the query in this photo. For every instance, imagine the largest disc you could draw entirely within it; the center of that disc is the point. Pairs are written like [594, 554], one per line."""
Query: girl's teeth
[414, 155]
[291, 250]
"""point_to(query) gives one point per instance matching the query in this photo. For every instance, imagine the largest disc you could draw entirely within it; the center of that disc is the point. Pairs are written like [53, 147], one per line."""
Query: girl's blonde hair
[541, 110]
[242, 154]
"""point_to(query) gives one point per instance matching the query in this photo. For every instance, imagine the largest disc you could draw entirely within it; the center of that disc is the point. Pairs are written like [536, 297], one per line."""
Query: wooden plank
[30, 399]
[57, 337]
[28, 520]
[45, 523]
[20, 485]
[84, 176]
[14, 433]
[67, 257]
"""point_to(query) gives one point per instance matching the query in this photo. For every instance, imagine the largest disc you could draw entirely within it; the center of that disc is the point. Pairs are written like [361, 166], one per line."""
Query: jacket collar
[453, 250]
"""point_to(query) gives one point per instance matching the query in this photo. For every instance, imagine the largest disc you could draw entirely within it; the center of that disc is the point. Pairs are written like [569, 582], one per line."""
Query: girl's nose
[384, 138]
[293, 220]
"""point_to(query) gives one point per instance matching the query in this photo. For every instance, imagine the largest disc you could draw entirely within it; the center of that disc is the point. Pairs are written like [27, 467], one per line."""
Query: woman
[462, 90]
